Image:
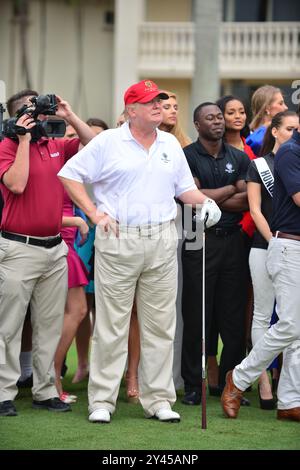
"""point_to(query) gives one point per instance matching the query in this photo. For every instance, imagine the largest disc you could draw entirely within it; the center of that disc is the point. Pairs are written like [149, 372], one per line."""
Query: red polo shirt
[38, 210]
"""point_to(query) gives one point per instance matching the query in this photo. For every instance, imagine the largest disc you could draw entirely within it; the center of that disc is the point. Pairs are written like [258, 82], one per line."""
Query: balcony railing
[247, 50]
[167, 48]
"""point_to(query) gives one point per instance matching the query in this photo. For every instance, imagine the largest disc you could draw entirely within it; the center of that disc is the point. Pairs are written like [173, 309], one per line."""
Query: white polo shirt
[134, 186]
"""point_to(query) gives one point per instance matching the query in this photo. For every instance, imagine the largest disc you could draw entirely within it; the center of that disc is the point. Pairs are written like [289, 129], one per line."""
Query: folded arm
[219, 195]
[239, 201]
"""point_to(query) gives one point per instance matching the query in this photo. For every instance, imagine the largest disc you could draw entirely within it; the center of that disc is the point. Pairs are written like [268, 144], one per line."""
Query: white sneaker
[166, 414]
[100, 416]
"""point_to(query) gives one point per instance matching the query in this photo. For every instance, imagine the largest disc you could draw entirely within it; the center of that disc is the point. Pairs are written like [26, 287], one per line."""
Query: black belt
[45, 242]
[223, 232]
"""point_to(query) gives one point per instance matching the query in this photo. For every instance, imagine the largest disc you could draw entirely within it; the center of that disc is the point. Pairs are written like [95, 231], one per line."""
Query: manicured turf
[39, 429]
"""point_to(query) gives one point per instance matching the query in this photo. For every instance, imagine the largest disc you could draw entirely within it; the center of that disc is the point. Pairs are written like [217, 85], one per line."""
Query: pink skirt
[77, 272]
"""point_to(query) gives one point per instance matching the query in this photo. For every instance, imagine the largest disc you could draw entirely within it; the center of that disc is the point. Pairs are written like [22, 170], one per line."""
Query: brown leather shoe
[292, 414]
[231, 397]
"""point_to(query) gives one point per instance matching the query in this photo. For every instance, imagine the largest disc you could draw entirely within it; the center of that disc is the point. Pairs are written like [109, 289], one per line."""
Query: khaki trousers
[37, 275]
[141, 262]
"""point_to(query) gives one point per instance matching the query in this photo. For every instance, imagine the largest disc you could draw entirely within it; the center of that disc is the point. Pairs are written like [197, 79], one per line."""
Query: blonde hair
[261, 99]
[176, 130]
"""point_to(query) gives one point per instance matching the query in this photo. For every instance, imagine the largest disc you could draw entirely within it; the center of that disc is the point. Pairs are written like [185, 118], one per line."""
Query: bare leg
[83, 336]
[75, 311]
[265, 389]
[132, 385]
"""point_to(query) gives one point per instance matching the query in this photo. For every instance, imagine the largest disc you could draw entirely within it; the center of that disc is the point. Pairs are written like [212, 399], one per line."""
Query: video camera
[42, 104]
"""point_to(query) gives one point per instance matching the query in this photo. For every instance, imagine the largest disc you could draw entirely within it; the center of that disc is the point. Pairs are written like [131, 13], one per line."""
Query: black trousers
[225, 303]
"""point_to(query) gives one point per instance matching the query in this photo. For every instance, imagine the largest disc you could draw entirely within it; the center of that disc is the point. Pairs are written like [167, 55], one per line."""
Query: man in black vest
[219, 170]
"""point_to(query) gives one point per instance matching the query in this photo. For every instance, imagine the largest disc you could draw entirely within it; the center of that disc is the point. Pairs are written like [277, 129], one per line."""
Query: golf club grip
[203, 403]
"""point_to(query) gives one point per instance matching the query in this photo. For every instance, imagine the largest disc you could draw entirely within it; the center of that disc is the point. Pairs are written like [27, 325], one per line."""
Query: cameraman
[33, 265]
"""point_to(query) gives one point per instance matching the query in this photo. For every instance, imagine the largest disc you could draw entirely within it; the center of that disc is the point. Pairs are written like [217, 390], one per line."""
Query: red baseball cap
[143, 92]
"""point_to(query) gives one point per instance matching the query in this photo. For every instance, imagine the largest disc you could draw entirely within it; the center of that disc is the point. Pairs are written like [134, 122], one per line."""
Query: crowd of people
[99, 240]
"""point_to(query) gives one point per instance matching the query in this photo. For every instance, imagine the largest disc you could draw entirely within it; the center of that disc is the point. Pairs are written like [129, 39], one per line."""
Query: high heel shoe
[269, 404]
[132, 389]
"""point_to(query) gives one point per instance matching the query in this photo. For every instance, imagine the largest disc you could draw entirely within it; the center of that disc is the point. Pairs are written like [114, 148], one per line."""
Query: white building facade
[90, 51]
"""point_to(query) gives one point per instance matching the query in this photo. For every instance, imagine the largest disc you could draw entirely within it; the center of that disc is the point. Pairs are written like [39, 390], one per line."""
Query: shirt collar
[41, 141]
[203, 150]
[296, 136]
[126, 133]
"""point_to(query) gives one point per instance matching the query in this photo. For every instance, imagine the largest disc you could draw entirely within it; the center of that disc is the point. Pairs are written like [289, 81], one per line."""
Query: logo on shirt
[55, 154]
[165, 158]
[229, 168]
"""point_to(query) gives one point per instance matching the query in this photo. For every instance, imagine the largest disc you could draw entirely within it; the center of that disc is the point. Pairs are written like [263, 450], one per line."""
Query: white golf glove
[210, 213]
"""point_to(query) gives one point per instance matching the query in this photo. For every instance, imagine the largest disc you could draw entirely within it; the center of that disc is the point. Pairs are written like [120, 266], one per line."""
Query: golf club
[203, 399]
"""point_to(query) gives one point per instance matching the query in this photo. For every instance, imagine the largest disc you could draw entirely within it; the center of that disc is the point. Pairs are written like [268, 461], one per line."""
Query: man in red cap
[143, 92]
[136, 171]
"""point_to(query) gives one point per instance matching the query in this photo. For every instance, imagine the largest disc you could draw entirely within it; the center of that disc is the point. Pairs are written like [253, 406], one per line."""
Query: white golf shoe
[167, 415]
[101, 415]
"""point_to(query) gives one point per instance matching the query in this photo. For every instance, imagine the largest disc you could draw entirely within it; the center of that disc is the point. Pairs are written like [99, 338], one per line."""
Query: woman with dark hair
[236, 126]
[260, 174]
[97, 125]
[236, 131]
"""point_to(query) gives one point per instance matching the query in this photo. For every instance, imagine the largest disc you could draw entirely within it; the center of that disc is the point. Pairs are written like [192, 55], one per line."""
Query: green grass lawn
[41, 429]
